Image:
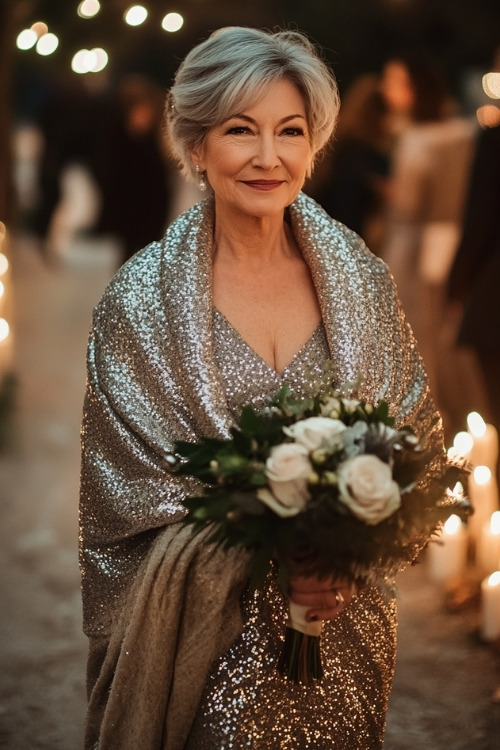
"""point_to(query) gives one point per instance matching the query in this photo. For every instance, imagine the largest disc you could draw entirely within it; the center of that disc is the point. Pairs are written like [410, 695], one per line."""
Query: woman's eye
[238, 130]
[293, 131]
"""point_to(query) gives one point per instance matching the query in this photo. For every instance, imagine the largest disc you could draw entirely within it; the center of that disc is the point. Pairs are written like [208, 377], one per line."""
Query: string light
[47, 44]
[488, 116]
[491, 85]
[89, 60]
[40, 28]
[135, 15]
[88, 8]
[26, 39]
[172, 22]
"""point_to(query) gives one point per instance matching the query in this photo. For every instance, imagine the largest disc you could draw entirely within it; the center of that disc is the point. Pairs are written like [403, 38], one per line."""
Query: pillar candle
[483, 493]
[490, 607]
[488, 548]
[446, 556]
[484, 451]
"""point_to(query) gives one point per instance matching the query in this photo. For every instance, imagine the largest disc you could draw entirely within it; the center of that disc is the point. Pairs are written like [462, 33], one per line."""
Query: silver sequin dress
[247, 703]
[171, 656]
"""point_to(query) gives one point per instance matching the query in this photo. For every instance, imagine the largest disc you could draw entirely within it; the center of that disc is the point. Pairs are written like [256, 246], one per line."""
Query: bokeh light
[476, 424]
[40, 28]
[135, 15]
[491, 85]
[101, 59]
[26, 39]
[4, 264]
[89, 60]
[482, 475]
[463, 443]
[172, 22]
[488, 116]
[47, 44]
[88, 8]
[4, 329]
[453, 524]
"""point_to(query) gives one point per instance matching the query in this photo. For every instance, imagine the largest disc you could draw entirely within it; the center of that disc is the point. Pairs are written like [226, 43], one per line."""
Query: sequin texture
[247, 703]
[153, 379]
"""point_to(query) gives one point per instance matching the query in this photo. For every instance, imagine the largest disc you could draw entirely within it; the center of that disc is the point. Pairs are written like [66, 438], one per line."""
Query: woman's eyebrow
[247, 118]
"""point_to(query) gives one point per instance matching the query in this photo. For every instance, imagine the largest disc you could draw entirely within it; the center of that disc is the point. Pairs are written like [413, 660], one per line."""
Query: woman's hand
[326, 597]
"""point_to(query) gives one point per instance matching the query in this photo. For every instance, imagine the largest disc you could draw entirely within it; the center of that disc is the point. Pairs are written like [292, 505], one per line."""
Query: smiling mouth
[263, 184]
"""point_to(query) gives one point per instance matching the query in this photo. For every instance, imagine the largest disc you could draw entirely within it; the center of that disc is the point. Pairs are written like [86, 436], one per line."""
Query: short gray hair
[231, 70]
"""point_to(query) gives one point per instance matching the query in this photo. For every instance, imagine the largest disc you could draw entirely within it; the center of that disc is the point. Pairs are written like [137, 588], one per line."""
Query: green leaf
[250, 421]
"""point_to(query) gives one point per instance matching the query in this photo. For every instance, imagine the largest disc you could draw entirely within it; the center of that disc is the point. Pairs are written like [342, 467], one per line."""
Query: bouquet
[326, 484]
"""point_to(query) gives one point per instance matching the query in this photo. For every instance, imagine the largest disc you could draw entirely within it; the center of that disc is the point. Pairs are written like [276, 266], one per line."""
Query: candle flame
[495, 523]
[494, 579]
[476, 424]
[4, 264]
[452, 525]
[482, 475]
[463, 442]
[4, 329]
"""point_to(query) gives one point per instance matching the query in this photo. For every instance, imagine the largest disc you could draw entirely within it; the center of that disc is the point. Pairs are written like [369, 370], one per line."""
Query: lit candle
[484, 451]
[462, 445]
[490, 607]
[488, 552]
[483, 493]
[446, 556]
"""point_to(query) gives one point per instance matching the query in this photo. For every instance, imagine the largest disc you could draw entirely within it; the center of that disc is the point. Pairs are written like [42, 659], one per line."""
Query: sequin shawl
[152, 380]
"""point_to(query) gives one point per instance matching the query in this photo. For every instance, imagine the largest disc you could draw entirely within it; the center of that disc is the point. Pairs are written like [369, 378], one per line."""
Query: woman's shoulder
[333, 239]
[132, 279]
[151, 269]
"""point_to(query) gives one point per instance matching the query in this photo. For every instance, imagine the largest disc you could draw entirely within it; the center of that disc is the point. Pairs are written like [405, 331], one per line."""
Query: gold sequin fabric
[153, 379]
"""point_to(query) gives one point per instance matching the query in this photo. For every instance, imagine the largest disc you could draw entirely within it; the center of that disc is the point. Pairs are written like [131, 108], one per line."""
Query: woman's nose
[266, 156]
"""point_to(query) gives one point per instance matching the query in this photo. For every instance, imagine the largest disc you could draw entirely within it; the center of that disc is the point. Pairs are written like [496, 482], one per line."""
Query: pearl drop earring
[202, 183]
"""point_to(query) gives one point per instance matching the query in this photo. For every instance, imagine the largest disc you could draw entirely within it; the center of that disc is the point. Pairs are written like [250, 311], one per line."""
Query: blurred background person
[103, 168]
[415, 90]
[475, 274]
[430, 167]
[354, 178]
[68, 120]
[131, 165]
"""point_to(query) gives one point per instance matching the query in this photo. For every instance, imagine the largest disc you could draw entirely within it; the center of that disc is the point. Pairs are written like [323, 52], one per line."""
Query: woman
[430, 166]
[252, 288]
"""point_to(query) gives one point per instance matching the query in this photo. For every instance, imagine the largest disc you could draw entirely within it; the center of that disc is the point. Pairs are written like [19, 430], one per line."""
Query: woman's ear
[197, 158]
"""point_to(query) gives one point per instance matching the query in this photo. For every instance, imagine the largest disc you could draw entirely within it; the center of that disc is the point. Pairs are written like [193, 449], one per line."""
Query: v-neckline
[257, 355]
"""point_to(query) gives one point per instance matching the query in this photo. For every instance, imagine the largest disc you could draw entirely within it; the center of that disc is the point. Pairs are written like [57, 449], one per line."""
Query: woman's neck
[250, 239]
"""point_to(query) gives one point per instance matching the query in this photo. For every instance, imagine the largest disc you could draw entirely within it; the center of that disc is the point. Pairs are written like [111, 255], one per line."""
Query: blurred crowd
[409, 171]
[419, 180]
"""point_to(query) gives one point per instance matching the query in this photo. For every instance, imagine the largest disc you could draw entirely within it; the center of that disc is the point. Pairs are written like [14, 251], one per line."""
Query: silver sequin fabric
[153, 378]
[247, 703]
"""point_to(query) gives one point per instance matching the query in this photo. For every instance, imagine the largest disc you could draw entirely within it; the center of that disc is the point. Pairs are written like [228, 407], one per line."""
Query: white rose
[293, 500]
[367, 488]
[287, 470]
[315, 432]
[288, 461]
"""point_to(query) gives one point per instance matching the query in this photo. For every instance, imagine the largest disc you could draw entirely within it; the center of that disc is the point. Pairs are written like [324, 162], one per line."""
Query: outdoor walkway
[445, 677]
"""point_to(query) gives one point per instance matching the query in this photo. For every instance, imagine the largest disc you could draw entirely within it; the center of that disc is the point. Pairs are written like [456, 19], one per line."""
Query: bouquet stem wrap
[300, 658]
